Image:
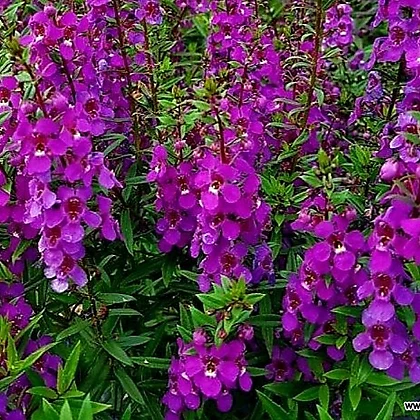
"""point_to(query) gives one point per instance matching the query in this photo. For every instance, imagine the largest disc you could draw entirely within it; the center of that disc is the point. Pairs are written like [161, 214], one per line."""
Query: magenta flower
[386, 339]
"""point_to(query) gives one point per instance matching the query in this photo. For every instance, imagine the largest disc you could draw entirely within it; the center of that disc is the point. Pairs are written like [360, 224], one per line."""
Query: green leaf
[123, 312]
[5, 382]
[184, 333]
[210, 301]
[267, 330]
[185, 317]
[49, 412]
[66, 375]
[133, 340]
[78, 326]
[86, 411]
[308, 395]
[115, 350]
[111, 298]
[32, 358]
[380, 379]
[323, 414]
[355, 395]
[127, 230]
[128, 385]
[152, 362]
[354, 312]
[12, 355]
[201, 319]
[324, 396]
[326, 4]
[73, 393]
[42, 391]
[4, 116]
[127, 413]
[312, 180]
[338, 374]
[274, 410]
[65, 413]
[255, 371]
[119, 138]
[30, 326]
[388, 408]
[271, 320]
[168, 269]
[254, 298]
[415, 115]
[327, 339]
[341, 341]
[285, 389]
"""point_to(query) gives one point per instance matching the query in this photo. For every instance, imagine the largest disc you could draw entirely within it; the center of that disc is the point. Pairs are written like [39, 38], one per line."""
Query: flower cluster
[285, 363]
[15, 309]
[50, 138]
[212, 202]
[339, 26]
[205, 371]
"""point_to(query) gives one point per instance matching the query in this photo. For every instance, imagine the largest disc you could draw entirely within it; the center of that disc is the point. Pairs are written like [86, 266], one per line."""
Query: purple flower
[150, 11]
[212, 368]
[386, 338]
[280, 369]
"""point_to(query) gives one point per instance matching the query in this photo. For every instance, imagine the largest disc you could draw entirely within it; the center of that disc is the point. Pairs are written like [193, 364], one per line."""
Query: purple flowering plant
[209, 209]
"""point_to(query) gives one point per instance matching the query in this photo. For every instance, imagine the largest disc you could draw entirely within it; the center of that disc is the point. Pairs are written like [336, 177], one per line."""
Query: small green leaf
[184, 333]
[185, 317]
[323, 413]
[133, 340]
[308, 395]
[127, 230]
[12, 355]
[211, 301]
[123, 312]
[267, 329]
[274, 410]
[127, 413]
[128, 385]
[168, 270]
[255, 371]
[4, 116]
[355, 395]
[254, 298]
[77, 327]
[115, 350]
[65, 413]
[42, 391]
[152, 362]
[327, 339]
[380, 379]
[49, 412]
[86, 411]
[32, 358]
[324, 396]
[111, 298]
[338, 374]
[66, 376]
[201, 319]
[388, 408]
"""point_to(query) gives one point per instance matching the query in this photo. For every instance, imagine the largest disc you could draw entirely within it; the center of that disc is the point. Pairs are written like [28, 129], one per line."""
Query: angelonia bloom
[285, 364]
[205, 371]
[338, 26]
[50, 138]
[212, 202]
[15, 309]
[345, 268]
